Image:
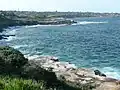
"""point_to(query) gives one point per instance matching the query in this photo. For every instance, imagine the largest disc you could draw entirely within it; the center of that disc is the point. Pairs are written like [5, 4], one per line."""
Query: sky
[61, 5]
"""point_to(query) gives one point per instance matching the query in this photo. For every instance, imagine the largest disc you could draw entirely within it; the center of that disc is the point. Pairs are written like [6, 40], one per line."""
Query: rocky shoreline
[13, 18]
[56, 74]
[24, 23]
[78, 77]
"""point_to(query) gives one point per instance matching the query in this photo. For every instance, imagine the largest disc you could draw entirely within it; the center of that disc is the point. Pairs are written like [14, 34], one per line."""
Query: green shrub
[34, 71]
[2, 65]
[11, 60]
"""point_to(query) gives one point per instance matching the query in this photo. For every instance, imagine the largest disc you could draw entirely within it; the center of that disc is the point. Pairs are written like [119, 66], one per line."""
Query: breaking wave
[111, 72]
[35, 26]
[88, 22]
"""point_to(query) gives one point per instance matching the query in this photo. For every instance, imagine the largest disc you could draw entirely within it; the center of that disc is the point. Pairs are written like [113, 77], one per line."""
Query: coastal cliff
[56, 74]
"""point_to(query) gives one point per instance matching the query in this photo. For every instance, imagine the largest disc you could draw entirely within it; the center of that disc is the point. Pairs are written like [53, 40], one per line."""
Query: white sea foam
[39, 56]
[29, 26]
[35, 26]
[10, 32]
[88, 22]
[31, 57]
[19, 46]
[10, 38]
[111, 72]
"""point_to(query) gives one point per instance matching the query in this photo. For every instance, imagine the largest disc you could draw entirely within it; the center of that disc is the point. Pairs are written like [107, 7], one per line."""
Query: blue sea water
[92, 43]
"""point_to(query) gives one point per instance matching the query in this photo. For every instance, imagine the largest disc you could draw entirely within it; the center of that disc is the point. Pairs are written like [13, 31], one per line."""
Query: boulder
[97, 72]
[55, 59]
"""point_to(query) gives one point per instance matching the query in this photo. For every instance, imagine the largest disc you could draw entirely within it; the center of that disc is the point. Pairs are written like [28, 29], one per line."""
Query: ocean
[91, 43]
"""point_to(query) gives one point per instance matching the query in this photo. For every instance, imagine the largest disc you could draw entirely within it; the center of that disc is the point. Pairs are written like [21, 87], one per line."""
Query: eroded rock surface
[78, 77]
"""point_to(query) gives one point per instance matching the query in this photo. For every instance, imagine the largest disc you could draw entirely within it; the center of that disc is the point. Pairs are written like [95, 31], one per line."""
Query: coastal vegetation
[17, 73]
[13, 83]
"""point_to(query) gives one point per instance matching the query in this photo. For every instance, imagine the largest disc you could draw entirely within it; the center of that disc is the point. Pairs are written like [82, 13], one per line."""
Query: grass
[15, 83]
[9, 83]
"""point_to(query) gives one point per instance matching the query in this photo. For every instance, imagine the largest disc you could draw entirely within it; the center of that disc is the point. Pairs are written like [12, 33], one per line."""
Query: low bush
[34, 71]
[11, 60]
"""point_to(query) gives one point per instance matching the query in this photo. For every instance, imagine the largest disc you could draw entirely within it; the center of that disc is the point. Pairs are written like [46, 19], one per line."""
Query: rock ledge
[70, 74]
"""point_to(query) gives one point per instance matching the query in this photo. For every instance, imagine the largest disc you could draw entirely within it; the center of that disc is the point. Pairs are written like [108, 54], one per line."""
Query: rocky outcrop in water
[77, 77]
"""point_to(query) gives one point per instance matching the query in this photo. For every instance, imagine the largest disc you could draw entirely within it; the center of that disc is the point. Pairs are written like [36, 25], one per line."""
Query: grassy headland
[19, 18]
[13, 18]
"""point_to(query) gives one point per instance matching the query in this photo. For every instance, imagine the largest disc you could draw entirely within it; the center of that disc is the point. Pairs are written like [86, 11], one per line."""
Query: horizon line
[61, 11]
